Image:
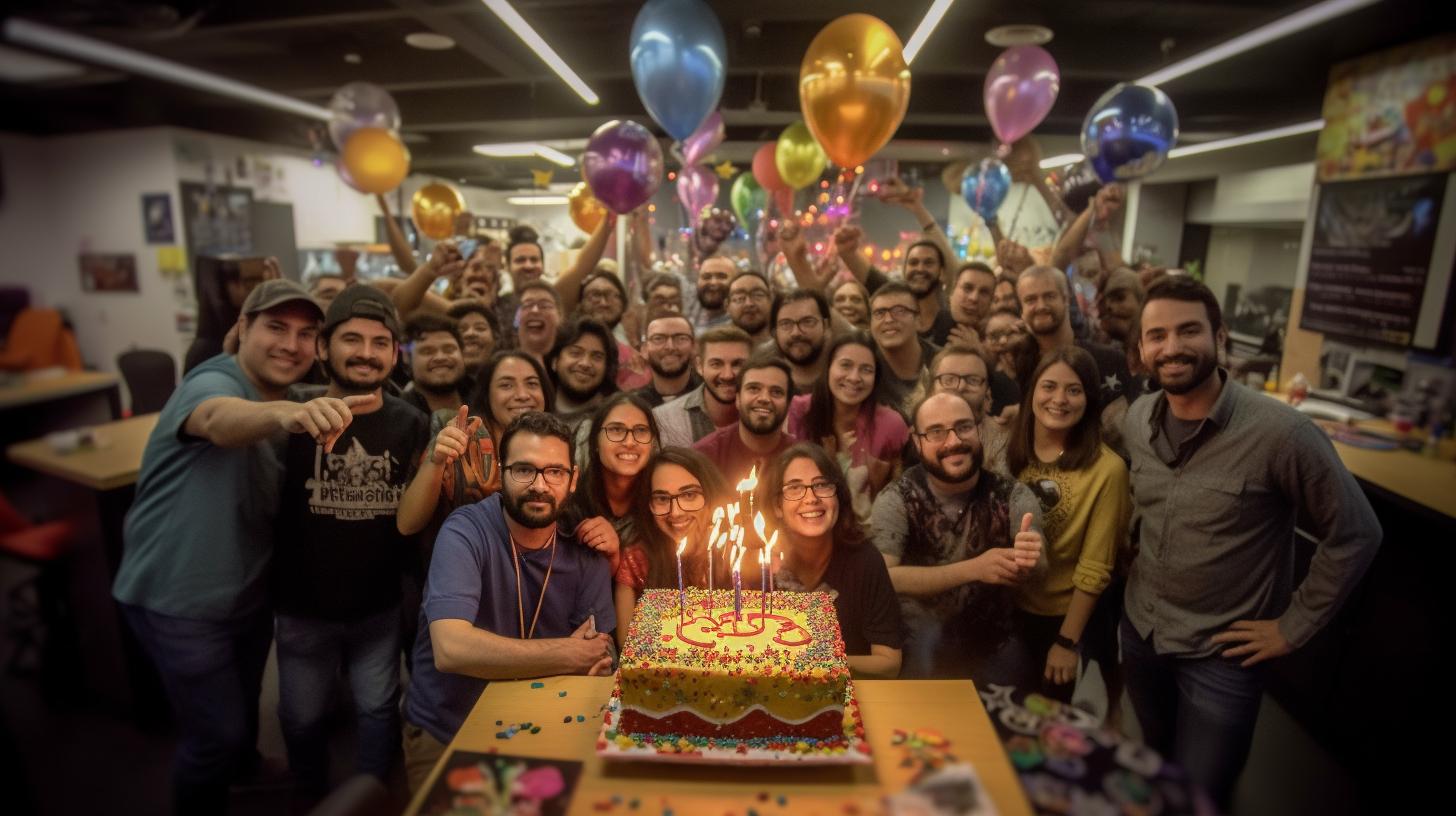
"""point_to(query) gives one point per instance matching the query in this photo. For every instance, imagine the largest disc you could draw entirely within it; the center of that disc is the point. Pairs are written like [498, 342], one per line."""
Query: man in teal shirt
[192, 580]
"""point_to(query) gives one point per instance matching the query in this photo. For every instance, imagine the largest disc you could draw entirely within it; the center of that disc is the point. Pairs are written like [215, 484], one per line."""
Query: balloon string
[1016, 216]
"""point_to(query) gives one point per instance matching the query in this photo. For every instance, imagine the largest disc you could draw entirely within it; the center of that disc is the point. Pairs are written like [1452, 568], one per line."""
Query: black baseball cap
[362, 300]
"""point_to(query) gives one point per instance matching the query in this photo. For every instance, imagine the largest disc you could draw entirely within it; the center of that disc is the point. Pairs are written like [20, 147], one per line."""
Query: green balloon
[748, 200]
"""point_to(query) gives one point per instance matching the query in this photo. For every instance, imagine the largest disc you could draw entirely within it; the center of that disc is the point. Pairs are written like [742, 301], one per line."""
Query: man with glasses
[670, 349]
[957, 540]
[1005, 334]
[764, 390]
[510, 595]
[800, 320]
[906, 353]
[966, 370]
[714, 404]
[538, 318]
[748, 305]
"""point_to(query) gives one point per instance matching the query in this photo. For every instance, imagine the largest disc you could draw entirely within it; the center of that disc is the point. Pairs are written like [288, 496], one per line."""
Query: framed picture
[157, 218]
[108, 273]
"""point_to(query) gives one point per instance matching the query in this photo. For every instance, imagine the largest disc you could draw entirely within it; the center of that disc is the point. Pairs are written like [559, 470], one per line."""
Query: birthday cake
[774, 675]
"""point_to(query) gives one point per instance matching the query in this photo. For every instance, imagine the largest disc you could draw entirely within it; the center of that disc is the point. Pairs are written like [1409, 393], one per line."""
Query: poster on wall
[101, 272]
[1391, 113]
[157, 218]
[1373, 243]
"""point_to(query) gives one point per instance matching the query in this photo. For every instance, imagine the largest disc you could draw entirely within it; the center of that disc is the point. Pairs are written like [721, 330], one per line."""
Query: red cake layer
[756, 723]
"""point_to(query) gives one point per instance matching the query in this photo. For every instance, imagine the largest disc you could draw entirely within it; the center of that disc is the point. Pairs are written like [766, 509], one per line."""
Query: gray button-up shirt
[683, 421]
[1217, 522]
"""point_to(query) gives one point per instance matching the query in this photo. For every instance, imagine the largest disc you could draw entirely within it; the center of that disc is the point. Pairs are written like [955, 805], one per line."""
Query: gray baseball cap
[362, 300]
[276, 292]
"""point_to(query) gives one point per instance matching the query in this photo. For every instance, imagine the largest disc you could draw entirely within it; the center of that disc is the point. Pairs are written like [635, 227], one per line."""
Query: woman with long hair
[673, 501]
[850, 413]
[1056, 450]
[824, 550]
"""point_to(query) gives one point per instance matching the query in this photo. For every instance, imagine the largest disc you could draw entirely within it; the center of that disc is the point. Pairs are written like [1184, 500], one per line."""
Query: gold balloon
[376, 160]
[436, 206]
[952, 174]
[798, 157]
[586, 212]
[854, 87]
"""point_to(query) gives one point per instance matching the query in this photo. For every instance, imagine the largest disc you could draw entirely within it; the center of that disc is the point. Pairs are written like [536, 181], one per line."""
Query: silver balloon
[361, 105]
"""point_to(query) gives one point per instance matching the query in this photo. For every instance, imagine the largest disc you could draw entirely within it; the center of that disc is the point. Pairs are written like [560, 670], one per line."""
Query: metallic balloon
[985, 187]
[854, 87]
[376, 159]
[361, 105]
[586, 212]
[1020, 89]
[435, 207]
[697, 189]
[704, 140]
[1129, 132]
[622, 165]
[748, 198]
[799, 158]
[679, 59]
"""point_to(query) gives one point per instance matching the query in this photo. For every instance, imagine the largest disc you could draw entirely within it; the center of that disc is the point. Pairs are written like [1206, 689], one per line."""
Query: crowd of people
[993, 478]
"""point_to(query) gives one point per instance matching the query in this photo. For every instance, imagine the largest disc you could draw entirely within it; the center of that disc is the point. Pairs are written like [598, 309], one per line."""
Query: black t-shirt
[337, 552]
[939, 332]
[869, 611]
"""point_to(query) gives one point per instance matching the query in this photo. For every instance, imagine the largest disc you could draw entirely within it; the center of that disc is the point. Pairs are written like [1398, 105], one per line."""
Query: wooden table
[32, 390]
[114, 462]
[950, 707]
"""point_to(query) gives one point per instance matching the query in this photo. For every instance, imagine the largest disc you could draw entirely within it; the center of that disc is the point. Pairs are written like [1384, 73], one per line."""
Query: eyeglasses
[538, 306]
[795, 491]
[898, 312]
[522, 473]
[617, 432]
[964, 430]
[740, 298]
[805, 324]
[664, 339]
[953, 382]
[688, 501]
[1001, 336]
[604, 296]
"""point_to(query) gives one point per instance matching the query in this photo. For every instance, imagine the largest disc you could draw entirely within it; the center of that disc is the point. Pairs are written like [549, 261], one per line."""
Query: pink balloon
[784, 201]
[766, 169]
[704, 140]
[1021, 88]
[697, 189]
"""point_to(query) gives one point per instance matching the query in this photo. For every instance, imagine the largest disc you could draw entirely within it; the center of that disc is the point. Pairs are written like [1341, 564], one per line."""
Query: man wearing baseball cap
[337, 552]
[198, 538]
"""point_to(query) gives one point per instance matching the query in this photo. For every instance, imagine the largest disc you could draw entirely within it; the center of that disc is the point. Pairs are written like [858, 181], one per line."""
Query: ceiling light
[528, 35]
[96, 51]
[1019, 34]
[1283, 27]
[927, 26]
[1248, 138]
[23, 66]
[429, 41]
[352, 58]
[1063, 160]
[536, 200]
[522, 149]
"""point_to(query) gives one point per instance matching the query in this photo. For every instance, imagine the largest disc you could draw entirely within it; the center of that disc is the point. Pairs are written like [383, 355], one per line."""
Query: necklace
[520, 593]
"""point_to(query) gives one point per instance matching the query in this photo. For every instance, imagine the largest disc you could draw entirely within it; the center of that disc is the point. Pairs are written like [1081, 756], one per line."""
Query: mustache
[955, 451]
[353, 361]
[536, 496]
[1186, 359]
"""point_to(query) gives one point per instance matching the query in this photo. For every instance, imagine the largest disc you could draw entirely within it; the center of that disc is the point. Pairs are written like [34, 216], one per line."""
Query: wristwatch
[1066, 642]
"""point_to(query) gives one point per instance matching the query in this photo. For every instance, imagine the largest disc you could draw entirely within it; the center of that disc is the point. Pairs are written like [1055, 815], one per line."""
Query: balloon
[766, 170]
[622, 165]
[798, 157]
[985, 187]
[435, 207]
[697, 189]
[952, 174]
[1077, 186]
[376, 159]
[783, 201]
[1020, 89]
[704, 140]
[361, 105]
[1129, 132]
[854, 87]
[678, 59]
[344, 175]
[586, 212]
[747, 198]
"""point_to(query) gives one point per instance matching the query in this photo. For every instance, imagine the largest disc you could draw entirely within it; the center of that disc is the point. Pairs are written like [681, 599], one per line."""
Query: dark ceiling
[492, 88]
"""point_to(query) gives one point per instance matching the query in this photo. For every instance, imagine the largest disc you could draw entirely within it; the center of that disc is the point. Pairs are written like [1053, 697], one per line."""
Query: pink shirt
[877, 435]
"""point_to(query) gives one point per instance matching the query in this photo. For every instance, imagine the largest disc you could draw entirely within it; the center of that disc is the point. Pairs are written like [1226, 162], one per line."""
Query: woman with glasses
[850, 415]
[1056, 450]
[673, 501]
[825, 550]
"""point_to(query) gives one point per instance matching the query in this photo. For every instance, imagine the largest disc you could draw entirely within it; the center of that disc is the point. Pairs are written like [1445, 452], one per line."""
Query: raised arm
[413, 292]
[398, 246]
[895, 191]
[569, 284]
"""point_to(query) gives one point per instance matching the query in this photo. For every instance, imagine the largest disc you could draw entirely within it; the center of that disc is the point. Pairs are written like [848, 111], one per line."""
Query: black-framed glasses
[603, 295]
[740, 298]
[937, 435]
[796, 490]
[522, 473]
[617, 432]
[805, 324]
[897, 312]
[688, 501]
[680, 339]
[953, 382]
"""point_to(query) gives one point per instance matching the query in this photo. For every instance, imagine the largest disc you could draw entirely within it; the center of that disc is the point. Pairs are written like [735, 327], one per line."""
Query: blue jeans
[310, 654]
[213, 672]
[1022, 661]
[1199, 712]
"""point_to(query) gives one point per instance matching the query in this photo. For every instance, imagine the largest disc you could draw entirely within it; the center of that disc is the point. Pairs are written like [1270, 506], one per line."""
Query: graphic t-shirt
[337, 553]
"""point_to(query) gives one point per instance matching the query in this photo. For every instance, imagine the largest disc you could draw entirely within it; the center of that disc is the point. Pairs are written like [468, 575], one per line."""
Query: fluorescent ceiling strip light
[1247, 138]
[536, 201]
[1283, 27]
[1061, 161]
[87, 49]
[927, 26]
[23, 66]
[521, 149]
[528, 35]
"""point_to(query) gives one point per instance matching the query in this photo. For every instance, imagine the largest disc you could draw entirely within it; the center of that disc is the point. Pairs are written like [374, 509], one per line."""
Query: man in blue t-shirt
[509, 595]
[197, 541]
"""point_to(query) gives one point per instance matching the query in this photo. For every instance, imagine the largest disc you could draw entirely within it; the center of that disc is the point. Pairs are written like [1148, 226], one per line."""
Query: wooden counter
[114, 462]
[31, 390]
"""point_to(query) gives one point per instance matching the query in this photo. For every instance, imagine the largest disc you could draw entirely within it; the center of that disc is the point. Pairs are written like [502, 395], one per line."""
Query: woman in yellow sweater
[1056, 450]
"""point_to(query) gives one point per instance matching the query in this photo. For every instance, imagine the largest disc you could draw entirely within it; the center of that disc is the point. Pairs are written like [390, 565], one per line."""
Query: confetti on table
[537, 685]
[560, 694]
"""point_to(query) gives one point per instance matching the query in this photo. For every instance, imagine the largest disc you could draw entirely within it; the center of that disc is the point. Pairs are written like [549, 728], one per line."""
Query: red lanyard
[520, 592]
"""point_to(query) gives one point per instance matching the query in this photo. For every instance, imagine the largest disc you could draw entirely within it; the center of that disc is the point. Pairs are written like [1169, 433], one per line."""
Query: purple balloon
[697, 189]
[704, 140]
[622, 165]
[1021, 88]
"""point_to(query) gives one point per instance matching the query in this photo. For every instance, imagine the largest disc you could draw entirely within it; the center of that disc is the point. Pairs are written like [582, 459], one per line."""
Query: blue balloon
[679, 60]
[1129, 132]
[985, 186]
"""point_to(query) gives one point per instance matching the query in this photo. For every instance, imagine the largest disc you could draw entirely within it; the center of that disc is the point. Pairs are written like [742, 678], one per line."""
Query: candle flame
[772, 540]
[749, 482]
[759, 526]
[682, 544]
[738, 551]
[722, 539]
[718, 513]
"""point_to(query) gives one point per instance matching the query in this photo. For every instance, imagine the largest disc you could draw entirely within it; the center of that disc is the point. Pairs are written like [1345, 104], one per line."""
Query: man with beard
[670, 351]
[537, 318]
[958, 540]
[336, 559]
[604, 299]
[906, 354]
[721, 355]
[479, 333]
[764, 390]
[526, 263]
[437, 369]
[970, 302]
[704, 299]
[583, 367]
[749, 298]
[800, 320]
[1118, 303]
[510, 595]
[1220, 476]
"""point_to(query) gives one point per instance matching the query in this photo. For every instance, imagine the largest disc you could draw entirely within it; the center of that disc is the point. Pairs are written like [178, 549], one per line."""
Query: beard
[347, 383]
[572, 393]
[751, 322]
[759, 426]
[800, 352]
[515, 507]
[1033, 322]
[1203, 367]
[663, 371]
[712, 297]
[922, 284]
[977, 459]
[440, 388]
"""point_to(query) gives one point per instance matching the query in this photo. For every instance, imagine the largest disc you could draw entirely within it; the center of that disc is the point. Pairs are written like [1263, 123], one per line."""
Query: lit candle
[768, 562]
[682, 593]
[737, 583]
[746, 486]
[763, 585]
[718, 513]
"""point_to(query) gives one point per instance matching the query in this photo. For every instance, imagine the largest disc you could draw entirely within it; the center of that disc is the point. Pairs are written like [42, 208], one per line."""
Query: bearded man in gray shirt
[1220, 474]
